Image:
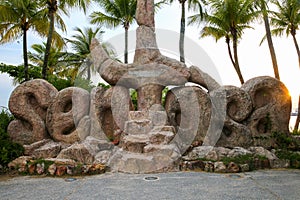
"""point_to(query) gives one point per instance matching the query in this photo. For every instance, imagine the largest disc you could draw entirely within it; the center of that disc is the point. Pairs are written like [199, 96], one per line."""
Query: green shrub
[294, 157]
[8, 150]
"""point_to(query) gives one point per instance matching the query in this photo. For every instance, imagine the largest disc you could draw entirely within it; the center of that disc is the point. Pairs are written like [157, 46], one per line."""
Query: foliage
[116, 13]
[17, 72]
[293, 157]
[105, 86]
[285, 141]
[8, 149]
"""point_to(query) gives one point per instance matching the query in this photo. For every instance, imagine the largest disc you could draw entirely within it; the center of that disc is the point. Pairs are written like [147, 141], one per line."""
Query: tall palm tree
[58, 63]
[228, 18]
[53, 6]
[194, 5]
[81, 43]
[263, 7]
[16, 18]
[287, 20]
[116, 13]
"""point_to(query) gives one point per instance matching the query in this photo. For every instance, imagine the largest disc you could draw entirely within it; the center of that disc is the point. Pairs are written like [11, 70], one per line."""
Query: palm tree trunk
[229, 51]
[25, 55]
[236, 60]
[182, 31]
[297, 46]
[48, 44]
[298, 117]
[271, 46]
[126, 45]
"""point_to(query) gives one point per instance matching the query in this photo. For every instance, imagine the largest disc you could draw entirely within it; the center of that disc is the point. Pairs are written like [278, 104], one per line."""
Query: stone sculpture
[154, 137]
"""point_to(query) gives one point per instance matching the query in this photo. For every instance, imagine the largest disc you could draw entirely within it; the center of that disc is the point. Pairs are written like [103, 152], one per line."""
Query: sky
[254, 59]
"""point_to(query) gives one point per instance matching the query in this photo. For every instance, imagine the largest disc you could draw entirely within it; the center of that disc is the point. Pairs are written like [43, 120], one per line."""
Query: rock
[200, 152]
[59, 161]
[158, 118]
[202, 78]
[233, 168]
[49, 150]
[96, 124]
[189, 111]
[279, 163]
[272, 107]
[60, 170]
[29, 103]
[138, 127]
[135, 143]
[31, 168]
[78, 151]
[261, 164]
[260, 151]
[161, 137]
[97, 169]
[112, 110]
[65, 113]
[40, 168]
[222, 152]
[145, 13]
[234, 134]
[212, 155]
[238, 151]
[85, 169]
[70, 169]
[239, 103]
[209, 166]
[244, 168]
[102, 157]
[219, 167]
[52, 169]
[28, 149]
[19, 162]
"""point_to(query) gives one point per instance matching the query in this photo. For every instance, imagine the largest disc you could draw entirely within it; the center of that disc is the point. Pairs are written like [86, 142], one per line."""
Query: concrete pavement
[269, 184]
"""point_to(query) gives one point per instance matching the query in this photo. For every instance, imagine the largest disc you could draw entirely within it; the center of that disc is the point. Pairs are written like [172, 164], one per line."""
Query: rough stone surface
[29, 103]
[49, 150]
[65, 114]
[28, 149]
[78, 152]
[272, 104]
[260, 151]
[219, 167]
[238, 151]
[161, 137]
[202, 78]
[102, 157]
[233, 168]
[138, 127]
[61, 161]
[135, 143]
[52, 169]
[96, 124]
[200, 152]
[145, 16]
[189, 111]
[20, 161]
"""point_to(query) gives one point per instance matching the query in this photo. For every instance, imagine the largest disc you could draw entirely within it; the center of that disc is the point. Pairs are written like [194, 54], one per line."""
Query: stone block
[137, 127]
[161, 137]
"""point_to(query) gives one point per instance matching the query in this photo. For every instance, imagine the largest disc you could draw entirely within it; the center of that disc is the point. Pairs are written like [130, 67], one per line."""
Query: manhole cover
[151, 178]
[70, 179]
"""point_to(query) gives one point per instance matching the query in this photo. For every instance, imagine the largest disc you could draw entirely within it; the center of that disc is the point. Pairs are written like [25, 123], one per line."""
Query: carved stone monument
[73, 124]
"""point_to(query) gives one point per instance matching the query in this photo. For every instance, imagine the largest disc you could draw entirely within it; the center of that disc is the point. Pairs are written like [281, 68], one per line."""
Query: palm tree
[287, 20]
[53, 6]
[228, 19]
[116, 13]
[59, 63]
[81, 43]
[263, 5]
[194, 5]
[16, 18]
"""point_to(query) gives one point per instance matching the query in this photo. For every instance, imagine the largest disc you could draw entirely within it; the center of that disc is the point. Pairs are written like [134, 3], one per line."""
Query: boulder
[238, 151]
[28, 149]
[260, 151]
[49, 150]
[64, 115]
[272, 108]
[233, 168]
[29, 103]
[78, 152]
[219, 167]
[20, 162]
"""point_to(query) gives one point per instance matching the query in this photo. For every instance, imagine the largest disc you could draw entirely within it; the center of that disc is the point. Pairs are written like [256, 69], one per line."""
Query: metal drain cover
[151, 178]
[70, 179]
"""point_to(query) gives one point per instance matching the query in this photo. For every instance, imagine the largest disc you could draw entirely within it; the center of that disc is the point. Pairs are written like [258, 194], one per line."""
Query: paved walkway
[270, 184]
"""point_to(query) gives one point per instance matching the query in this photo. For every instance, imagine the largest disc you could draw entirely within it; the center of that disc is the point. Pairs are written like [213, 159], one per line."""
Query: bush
[8, 150]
